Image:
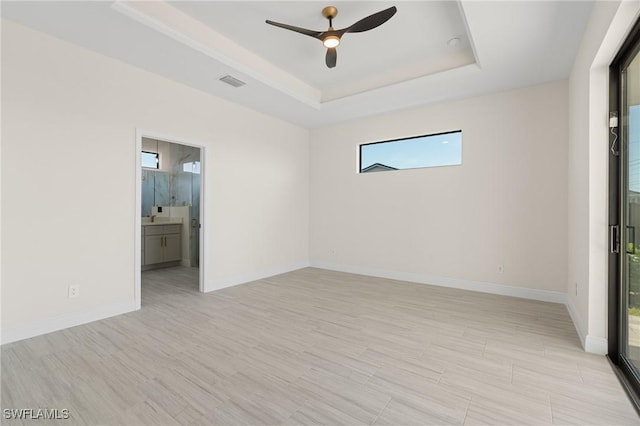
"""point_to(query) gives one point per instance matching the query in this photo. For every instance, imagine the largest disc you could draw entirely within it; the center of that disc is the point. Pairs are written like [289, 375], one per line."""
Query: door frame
[617, 173]
[140, 133]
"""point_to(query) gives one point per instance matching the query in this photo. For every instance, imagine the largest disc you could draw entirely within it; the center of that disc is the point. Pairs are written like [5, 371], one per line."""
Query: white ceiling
[404, 63]
[403, 48]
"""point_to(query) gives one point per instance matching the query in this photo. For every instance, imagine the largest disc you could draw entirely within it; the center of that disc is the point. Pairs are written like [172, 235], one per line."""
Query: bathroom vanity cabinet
[161, 244]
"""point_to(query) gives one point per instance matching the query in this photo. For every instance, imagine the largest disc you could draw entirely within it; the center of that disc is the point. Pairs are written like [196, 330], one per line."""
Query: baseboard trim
[49, 325]
[592, 344]
[481, 286]
[220, 283]
[577, 323]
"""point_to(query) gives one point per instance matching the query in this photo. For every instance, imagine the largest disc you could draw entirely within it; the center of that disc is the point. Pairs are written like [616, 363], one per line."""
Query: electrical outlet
[500, 269]
[74, 291]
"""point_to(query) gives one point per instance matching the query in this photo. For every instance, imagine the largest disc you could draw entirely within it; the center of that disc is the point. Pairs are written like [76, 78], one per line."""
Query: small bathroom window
[150, 160]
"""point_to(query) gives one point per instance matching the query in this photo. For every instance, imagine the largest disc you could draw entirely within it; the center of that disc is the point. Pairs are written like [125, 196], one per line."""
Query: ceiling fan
[331, 38]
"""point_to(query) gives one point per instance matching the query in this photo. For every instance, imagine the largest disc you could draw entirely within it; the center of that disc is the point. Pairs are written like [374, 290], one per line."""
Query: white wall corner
[596, 345]
[480, 286]
[577, 322]
[37, 328]
[592, 344]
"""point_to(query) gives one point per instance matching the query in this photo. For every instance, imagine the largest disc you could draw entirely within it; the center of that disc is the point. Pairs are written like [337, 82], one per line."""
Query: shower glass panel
[185, 191]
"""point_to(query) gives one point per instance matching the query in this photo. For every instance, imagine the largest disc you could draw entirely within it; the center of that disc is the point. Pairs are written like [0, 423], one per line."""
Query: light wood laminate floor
[317, 347]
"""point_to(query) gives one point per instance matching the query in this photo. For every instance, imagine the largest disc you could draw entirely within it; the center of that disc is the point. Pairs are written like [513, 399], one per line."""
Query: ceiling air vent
[232, 81]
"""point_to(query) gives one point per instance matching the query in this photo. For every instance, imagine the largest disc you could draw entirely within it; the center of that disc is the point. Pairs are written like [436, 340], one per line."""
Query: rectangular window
[191, 167]
[150, 160]
[442, 149]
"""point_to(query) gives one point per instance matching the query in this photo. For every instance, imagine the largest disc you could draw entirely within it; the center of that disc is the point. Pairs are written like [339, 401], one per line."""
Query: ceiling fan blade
[310, 33]
[371, 21]
[331, 58]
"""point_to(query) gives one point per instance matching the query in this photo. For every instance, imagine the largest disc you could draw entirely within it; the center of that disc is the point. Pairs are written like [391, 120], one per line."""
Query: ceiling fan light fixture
[331, 41]
[331, 38]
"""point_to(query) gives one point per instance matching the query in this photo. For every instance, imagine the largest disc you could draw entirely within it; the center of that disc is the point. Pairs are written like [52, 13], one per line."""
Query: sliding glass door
[630, 137]
[625, 212]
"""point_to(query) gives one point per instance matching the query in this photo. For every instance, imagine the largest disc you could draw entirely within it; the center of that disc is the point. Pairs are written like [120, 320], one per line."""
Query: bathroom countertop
[163, 222]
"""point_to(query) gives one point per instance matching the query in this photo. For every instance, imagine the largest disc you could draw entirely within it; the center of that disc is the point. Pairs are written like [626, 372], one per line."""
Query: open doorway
[168, 217]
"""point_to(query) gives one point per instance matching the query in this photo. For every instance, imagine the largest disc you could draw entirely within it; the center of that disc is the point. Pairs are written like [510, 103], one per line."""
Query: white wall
[588, 169]
[68, 182]
[506, 205]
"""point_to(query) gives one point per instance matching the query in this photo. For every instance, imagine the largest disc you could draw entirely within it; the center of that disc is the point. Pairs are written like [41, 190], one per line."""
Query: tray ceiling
[406, 62]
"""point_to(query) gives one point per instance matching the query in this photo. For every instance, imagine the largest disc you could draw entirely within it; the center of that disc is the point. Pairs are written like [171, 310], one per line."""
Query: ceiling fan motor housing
[330, 12]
